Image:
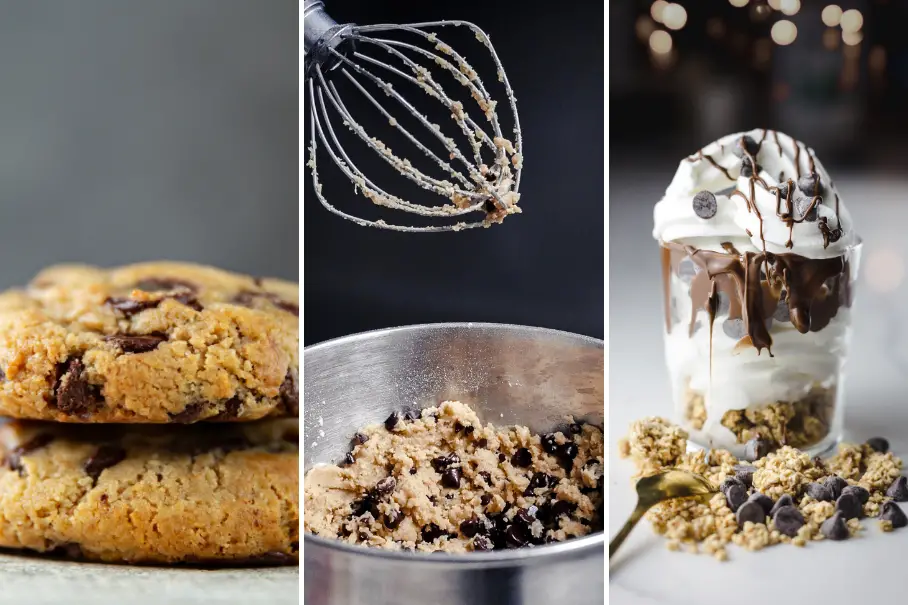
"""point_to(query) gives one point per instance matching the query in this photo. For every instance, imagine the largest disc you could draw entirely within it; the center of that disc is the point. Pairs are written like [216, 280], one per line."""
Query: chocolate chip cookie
[440, 480]
[149, 343]
[152, 494]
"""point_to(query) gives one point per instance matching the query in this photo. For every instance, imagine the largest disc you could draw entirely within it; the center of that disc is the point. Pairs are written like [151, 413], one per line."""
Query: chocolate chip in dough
[819, 492]
[136, 344]
[735, 496]
[784, 500]
[522, 458]
[755, 449]
[849, 506]
[105, 457]
[858, 492]
[392, 421]
[835, 485]
[745, 473]
[750, 511]
[451, 478]
[763, 500]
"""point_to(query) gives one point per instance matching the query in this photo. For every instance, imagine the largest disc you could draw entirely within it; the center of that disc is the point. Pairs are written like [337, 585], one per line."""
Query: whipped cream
[747, 208]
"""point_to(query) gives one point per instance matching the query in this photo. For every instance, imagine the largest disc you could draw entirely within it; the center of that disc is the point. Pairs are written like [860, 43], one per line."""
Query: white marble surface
[877, 404]
[26, 580]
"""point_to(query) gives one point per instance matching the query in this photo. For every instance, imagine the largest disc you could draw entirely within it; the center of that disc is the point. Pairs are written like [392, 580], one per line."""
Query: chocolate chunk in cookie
[136, 344]
[105, 457]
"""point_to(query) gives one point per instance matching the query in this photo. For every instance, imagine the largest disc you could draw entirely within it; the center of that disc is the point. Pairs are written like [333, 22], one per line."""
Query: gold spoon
[657, 488]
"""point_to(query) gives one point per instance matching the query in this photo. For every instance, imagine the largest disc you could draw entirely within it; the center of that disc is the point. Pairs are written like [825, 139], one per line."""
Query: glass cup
[725, 389]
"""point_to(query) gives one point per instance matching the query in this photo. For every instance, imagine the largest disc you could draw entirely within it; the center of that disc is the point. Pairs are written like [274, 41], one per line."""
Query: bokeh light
[657, 9]
[644, 27]
[674, 16]
[738, 3]
[660, 42]
[775, 4]
[783, 32]
[832, 15]
[852, 38]
[852, 20]
[831, 39]
[790, 7]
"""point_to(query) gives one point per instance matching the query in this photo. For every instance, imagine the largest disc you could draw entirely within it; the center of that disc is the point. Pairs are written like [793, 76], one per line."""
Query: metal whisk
[477, 185]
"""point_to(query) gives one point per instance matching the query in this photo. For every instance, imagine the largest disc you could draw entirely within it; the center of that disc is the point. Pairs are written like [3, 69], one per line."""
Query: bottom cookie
[206, 495]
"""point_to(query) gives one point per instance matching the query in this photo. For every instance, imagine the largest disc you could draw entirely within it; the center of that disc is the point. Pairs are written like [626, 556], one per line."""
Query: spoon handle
[618, 540]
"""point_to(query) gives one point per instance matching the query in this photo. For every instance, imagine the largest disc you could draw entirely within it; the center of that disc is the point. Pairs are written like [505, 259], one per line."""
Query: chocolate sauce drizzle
[701, 156]
[755, 282]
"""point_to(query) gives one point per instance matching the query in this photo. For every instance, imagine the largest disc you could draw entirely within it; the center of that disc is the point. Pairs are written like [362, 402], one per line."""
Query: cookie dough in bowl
[440, 480]
[459, 404]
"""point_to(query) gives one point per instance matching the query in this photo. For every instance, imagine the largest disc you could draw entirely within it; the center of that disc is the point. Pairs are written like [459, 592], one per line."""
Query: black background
[543, 267]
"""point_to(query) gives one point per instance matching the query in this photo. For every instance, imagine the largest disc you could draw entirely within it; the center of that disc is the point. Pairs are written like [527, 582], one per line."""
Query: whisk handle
[316, 23]
[321, 35]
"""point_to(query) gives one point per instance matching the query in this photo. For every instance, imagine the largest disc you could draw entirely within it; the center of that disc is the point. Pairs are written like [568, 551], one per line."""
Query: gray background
[134, 130]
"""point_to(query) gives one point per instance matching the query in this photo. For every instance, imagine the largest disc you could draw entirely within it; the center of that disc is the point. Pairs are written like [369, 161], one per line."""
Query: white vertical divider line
[301, 158]
[605, 239]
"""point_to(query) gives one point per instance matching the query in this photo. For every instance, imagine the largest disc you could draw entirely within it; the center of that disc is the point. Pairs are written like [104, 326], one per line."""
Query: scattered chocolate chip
[349, 459]
[232, 409]
[189, 414]
[755, 449]
[522, 458]
[159, 284]
[482, 443]
[537, 481]
[735, 496]
[750, 511]
[834, 527]
[392, 421]
[384, 487]
[878, 444]
[747, 167]
[747, 144]
[106, 457]
[431, 532]
[858, 492]
[788, 520]
[898, 491]
[481, 542]
[74, 395]
[287, 306]
[411, 415]
[187, 299]
[458, 426]
[487, 477]
[136, 344]
[130, 307]
[14, 459]
[803, 209]
[734, 328]
[705, 205]
[849, 506]
[763, 500]
[359, 438]
[485, 499]
[488, 206]
[502, 457]
[412, 470]
[440, 463]
[392, 519]
[835, 485]
[451, 478]
[784, 500]
[783, 190]
[575, 428]
[809, 184]
[819, 492]
[893, 513]
[745, 473]
[729, 482]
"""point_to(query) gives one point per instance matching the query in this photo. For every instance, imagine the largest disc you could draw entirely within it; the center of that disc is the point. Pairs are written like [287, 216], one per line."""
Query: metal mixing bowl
[509, 375]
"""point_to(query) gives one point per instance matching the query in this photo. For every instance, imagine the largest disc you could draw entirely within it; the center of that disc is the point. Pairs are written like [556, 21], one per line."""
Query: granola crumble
[708, 526]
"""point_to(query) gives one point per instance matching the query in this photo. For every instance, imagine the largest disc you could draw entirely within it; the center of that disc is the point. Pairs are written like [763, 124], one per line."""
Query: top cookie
[153, 342]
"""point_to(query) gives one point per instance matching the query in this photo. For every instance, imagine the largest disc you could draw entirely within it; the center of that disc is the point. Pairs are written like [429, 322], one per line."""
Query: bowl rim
[596, 342]
[494, 558]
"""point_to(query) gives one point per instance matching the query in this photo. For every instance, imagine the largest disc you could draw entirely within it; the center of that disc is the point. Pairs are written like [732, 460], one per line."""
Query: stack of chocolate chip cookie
[154, 415]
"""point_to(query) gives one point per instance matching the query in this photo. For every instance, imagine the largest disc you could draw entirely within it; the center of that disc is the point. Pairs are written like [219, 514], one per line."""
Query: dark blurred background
[831, 74]
[543, 267]
[134, 130]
